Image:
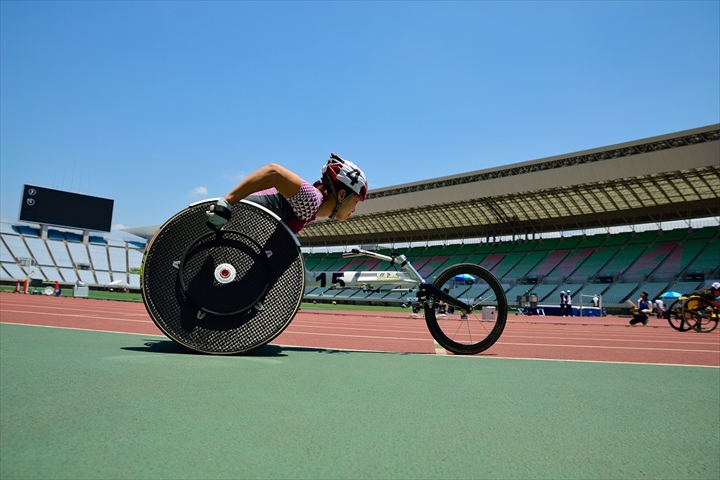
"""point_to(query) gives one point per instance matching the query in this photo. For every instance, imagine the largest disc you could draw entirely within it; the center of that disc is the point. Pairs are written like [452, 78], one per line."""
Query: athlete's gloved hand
[219, 214]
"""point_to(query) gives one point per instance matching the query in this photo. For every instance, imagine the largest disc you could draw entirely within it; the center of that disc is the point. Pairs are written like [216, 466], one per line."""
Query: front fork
[427, 290]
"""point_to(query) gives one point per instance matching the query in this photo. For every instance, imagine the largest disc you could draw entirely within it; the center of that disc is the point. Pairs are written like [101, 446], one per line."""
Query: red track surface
[606, 339]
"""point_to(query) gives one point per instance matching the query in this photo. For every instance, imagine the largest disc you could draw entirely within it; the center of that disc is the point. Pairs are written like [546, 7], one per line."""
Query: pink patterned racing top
[296, 211]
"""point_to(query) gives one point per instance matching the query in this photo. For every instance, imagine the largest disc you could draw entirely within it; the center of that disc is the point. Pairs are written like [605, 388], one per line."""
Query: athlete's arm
[269, 176]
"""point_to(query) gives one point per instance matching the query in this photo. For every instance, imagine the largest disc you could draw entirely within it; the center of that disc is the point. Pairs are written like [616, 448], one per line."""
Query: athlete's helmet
[339, 170]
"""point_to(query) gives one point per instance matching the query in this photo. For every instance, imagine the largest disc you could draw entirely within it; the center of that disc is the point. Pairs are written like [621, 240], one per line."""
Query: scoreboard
[56, 207]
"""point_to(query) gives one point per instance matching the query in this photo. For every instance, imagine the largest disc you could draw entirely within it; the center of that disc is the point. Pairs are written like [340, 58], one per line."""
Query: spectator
[596, 301]
[644, 308]
[441, 307]
[563, 301]
[659, 307]
[568, 304]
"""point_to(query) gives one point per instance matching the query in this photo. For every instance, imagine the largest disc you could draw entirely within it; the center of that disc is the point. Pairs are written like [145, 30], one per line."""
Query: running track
[605, 339]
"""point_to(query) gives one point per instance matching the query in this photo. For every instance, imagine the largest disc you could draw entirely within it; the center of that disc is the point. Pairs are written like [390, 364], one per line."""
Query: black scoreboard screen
[56, 207]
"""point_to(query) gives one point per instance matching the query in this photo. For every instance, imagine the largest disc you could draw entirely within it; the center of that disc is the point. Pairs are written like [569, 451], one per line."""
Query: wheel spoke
[469, 333]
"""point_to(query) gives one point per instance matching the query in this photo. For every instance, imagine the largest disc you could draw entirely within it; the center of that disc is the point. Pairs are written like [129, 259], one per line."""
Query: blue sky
[159, 104]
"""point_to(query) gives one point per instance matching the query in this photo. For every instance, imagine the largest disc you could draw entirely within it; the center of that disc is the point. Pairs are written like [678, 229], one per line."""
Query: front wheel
[476, 331]
[675, 316]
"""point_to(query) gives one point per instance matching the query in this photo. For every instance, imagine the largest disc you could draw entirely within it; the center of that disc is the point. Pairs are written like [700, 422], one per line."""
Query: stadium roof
[664, 178]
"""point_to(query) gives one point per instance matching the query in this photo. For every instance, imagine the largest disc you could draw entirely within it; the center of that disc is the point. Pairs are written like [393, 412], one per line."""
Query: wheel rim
[477, 330]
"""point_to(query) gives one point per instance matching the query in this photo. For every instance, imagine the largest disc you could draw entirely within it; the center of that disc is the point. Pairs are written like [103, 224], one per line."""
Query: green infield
[82, 404]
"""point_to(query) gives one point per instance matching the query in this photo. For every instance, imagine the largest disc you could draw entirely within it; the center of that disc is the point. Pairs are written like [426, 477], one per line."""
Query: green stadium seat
[643, 238]
[683, 287]
[450, 250]
[651, 259]
[596, 261]
[526, 264]
[547, 244]
[704, 233]
[618, 293]
[475, 259]
[618, 239]
[568, 243]
[571, 262]
[507, 263]
[623, 259]
[504, 247]
[708, 260]
[682, 256]
[491, 261]
[431, 266]
[467, 250]
[675, 235]
[527, 246]
[485, 248]
[549, 263]
[593, 241]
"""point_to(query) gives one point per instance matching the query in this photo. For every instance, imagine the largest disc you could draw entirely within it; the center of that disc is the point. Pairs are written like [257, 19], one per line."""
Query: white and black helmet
[345, 172]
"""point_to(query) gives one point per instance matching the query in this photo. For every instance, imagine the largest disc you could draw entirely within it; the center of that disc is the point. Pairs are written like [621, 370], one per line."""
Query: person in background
[644, 308]
[563, 302]
[659, 307]
[596, 300]
[568, 304]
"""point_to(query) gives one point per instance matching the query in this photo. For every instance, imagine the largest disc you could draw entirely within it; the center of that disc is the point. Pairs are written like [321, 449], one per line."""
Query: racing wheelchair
[693, 312]
[234, 289]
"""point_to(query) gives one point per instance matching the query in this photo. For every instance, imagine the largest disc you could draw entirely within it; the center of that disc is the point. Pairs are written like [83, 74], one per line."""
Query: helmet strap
[337, 202]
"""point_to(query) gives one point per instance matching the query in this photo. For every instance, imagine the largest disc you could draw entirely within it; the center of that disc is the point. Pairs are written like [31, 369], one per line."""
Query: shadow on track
[171, 347]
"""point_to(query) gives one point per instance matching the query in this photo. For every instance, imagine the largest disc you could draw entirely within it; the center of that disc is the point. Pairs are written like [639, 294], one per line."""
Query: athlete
[711, 294]
[341, 186]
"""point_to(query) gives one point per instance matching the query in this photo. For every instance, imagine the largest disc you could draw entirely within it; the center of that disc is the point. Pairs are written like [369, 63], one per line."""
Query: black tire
[703, 316]
[478, 287]
[221, 291]
[675, 316]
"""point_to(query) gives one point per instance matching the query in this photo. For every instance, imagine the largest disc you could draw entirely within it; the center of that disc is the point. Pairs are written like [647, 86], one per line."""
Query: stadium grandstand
[612, 221]
[99, 260]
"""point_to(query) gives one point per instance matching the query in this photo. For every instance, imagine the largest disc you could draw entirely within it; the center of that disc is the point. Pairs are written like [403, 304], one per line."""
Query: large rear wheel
[701, 314]
[475, 331]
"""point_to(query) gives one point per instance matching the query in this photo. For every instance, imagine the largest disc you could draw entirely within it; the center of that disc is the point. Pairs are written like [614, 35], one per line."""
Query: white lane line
[509, 335]
[487, 357]
[76, 316]
[83, 329]
[56, 307]
[605, 347]
[374, 337]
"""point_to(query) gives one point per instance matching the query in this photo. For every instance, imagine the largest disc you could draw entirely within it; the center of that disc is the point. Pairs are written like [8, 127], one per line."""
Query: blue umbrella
[463, 276]
[671, 295]
[464, 279]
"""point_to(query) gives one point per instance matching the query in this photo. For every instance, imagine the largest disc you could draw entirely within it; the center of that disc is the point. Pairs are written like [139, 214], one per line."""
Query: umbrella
[464, 277]
[671, 295]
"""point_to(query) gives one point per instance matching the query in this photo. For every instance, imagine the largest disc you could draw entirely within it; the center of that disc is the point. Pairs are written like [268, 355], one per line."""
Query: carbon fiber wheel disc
[223, 291]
